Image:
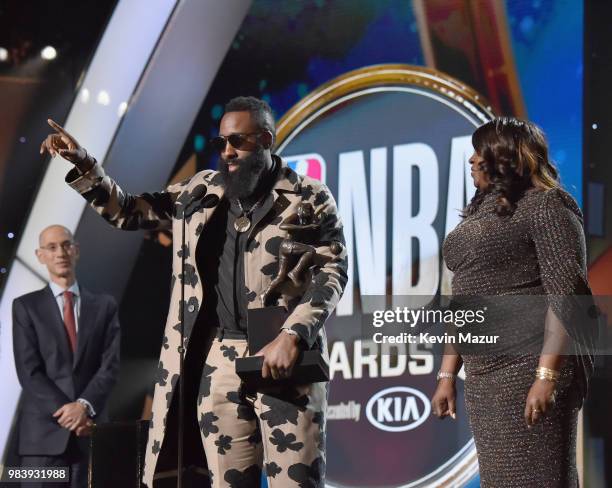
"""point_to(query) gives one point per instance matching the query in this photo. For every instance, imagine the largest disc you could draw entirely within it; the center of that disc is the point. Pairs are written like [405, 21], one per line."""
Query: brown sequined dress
[540, 249]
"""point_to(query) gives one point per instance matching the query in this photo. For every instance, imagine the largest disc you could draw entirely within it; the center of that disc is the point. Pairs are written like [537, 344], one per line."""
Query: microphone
[199, 199]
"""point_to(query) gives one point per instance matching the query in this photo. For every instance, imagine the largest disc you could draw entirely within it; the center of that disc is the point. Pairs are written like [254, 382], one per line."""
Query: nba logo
[312, 165]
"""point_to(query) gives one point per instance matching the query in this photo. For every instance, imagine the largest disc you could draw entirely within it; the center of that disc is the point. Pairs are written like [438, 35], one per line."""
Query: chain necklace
[243, 223]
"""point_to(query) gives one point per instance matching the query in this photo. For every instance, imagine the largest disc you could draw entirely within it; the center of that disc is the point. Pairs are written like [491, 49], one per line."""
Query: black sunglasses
[236, 140]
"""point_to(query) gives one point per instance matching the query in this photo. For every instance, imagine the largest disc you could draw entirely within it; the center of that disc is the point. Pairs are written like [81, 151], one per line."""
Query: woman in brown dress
[521, 235]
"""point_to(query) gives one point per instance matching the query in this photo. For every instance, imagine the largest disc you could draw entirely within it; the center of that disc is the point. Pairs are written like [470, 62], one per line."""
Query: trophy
[295, 261]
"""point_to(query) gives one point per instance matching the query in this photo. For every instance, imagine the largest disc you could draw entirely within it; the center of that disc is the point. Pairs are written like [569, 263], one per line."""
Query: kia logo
[398, 409]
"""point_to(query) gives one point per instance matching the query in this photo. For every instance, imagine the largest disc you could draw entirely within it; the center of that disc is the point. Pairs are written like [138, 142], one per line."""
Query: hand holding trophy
[264, 324]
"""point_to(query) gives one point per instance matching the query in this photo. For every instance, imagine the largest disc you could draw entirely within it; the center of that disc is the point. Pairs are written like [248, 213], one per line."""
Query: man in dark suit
[66, 345]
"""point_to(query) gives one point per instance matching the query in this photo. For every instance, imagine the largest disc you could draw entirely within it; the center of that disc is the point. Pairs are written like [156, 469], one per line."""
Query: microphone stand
[181, 351]
[188, 210]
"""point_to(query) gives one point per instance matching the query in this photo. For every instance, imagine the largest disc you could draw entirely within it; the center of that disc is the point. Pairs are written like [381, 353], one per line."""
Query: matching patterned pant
[280, 430]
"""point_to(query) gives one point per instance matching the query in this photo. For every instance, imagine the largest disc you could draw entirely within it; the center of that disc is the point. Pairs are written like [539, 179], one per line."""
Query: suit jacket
[309, 305]
[51, 375]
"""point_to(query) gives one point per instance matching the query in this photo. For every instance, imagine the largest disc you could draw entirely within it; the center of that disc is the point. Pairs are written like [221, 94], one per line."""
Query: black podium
[116, 459]
[116, 454]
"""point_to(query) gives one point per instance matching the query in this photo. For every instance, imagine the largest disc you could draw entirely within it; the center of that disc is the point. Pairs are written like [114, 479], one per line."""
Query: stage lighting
[4, 54]
[48, 53]
[103, 97]
[122, 109]
[199, 142]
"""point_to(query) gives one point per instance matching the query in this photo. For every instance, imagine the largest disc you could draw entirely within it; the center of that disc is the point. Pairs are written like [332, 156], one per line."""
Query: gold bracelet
[548, 374]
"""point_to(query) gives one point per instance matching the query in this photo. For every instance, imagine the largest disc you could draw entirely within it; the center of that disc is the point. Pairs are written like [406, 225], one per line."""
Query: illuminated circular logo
[392, 143]
[397, 409]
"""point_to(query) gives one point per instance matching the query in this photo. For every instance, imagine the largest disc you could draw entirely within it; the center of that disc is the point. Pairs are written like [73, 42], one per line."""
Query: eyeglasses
[236, 140]
[65, 246]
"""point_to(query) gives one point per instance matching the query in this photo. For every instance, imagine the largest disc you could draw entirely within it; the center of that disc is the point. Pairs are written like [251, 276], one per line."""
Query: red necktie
[69, 321]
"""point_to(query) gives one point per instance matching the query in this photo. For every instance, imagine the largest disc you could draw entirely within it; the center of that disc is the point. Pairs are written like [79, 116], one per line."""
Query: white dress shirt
[58, 293]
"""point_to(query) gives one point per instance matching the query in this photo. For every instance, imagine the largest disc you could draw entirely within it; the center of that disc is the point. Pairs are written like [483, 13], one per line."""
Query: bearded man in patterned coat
[231, 252]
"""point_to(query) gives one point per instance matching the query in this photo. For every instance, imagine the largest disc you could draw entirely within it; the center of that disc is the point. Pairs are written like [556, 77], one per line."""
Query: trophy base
[309, 368]
[263, 325]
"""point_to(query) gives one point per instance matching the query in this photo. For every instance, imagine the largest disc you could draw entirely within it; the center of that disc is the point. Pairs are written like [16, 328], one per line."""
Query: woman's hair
[515, 155]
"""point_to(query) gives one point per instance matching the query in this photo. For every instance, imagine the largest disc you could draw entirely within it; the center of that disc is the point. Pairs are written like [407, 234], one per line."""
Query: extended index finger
[59, 129]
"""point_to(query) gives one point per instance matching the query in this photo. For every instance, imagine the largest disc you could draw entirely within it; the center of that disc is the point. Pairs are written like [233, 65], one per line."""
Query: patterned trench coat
[309, 306]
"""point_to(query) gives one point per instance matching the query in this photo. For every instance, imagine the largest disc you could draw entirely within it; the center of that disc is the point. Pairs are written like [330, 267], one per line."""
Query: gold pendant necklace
[243, 223]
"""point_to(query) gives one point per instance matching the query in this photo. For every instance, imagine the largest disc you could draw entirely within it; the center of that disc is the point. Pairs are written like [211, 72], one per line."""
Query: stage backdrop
[392, 143]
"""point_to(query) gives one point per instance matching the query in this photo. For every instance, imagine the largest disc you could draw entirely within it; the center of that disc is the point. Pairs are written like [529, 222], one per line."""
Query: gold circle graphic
[464, 465]
[384, 75]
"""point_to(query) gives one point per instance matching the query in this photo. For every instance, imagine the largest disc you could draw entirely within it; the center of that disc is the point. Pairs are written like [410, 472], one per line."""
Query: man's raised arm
[120, 209]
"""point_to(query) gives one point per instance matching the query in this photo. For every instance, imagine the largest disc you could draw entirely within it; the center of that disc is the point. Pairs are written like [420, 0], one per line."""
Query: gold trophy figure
[298, 224]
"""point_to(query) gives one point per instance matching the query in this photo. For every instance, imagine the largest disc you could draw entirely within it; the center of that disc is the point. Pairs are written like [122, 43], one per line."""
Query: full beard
[243, 181]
